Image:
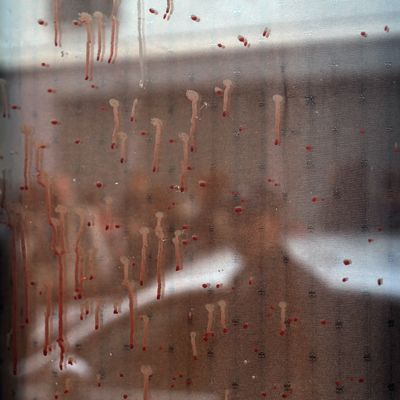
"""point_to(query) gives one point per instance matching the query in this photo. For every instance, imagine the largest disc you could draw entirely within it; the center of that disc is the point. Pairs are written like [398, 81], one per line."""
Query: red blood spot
[15, 107]
[346, 261]
[117, 227]
[345, 279]
[121, 375]
[142, 133]
[185, 227]
[195, 237]
[99, 185]
[370, 240]
[42, 22]
[238, 209]
[219, 92]
[380, 229]
[284, 396]
[125, 396]
[314, 199]
[361, 380]
[363, 34]
[205, 285]
[225, 114]
[202, 183]
[153, 11]
[172, 141]
[263, 394]
[309, 147]
[245, 325]
[241, 38]
[50, 90]
[282, 332]
[220, 45]
[185, 242]
[45, 65]
[295, 319]
[195, 18]
[55, 122]
[362, 131]
[225, 330]
[77, 141]
[386, 29]
[323, 321]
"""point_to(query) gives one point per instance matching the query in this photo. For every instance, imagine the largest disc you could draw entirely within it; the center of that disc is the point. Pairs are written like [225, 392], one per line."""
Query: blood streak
[97, 315]
[56, 17]
[14, 339]
[185, 160]
[4, 98]
[114, 31]
[25, 269]
[122, 136]
[193, 343]
[133, 111]
[283, 306]
[160, 252]
[210, 319]
[27, 132]
[117, 121]
[228, 84]
[82, 215]
[158, 124]
[47, 316]
[86, 19]
[99, 17]
[142, 43]
[145, 336]
[222, 306]
[60, 251]
[194, 97]
[169, 10]
[153, 11]
[278, 100]
[178, 257]
[144, 231]
[267, 32]
[130, 287]
[147, 371]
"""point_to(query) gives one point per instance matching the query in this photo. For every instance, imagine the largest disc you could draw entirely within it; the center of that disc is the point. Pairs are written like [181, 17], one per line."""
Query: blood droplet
[346, 261]
[195, 18]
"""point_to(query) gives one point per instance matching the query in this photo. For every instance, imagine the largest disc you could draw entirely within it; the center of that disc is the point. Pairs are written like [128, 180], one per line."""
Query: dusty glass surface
[200, 200]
